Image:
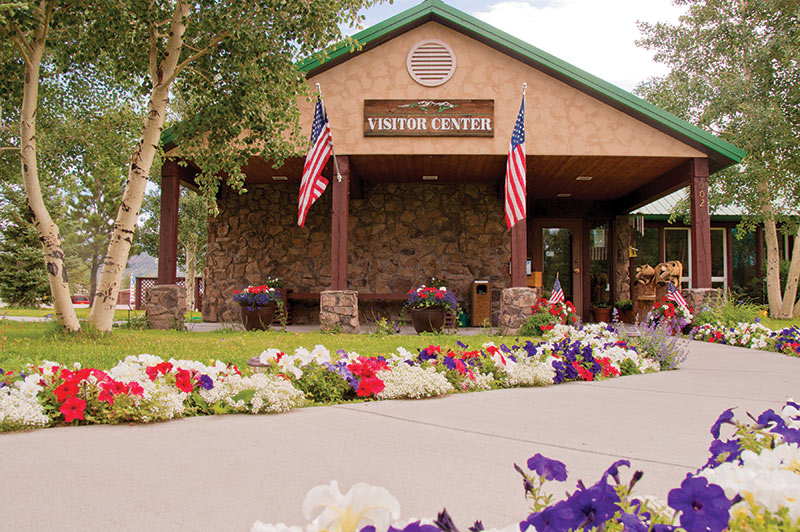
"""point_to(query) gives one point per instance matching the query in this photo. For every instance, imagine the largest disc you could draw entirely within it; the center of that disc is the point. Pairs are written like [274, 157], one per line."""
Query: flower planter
[626, 316]
[257, 319]
[602, 314]
[427, 319]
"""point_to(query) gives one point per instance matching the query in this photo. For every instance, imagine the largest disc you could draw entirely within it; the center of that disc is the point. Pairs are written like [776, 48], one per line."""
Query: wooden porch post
[519, 253]
[701, 224]
[339, 222]
[168, 231]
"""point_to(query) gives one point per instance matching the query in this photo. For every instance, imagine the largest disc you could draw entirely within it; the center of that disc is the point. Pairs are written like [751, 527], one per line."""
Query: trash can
[481, 303]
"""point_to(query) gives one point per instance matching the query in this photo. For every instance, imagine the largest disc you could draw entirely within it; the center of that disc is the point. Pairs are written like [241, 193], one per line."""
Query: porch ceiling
[548, 175]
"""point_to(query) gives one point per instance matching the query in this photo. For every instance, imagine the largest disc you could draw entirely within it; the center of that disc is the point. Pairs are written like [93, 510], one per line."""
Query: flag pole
[333, 152]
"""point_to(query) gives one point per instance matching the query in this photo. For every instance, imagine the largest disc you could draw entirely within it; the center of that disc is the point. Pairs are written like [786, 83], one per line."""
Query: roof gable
[720, 153]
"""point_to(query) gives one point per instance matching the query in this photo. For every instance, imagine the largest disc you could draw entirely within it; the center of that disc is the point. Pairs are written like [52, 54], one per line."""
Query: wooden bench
[362, 296]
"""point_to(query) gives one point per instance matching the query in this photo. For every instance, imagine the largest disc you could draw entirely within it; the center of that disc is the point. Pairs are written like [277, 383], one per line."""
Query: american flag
[313, 184]
[515, 171]
[673, 294]
[558, 294]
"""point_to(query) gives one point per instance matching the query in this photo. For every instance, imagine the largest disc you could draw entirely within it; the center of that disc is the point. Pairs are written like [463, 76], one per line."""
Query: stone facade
[623, 236]
[399, 235]
[338, 309]
[166, 307]
[697, 298]
[515, 308]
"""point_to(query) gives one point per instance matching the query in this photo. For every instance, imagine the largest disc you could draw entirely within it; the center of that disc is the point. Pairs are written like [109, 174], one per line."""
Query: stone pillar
[166, 307]
[623, 239]
[515, 307]
[338, 309]
[698, 298]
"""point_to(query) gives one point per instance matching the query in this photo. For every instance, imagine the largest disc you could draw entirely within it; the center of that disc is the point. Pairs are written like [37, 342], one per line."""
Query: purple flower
[594, 506]
[556, 518]
[725, 417]
[703, 506]
[613, 471]
[206, 382]
[769, 416]
[547, 468]
[719, 448]
[632, 523]
[414, 526]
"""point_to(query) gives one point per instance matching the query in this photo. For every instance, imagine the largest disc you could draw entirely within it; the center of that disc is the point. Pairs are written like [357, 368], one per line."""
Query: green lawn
[83, 313]
[27, 342]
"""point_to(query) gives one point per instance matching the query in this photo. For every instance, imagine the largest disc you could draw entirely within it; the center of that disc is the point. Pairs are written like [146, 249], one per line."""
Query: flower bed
[146, 388]
[751, 335]
[751, 482]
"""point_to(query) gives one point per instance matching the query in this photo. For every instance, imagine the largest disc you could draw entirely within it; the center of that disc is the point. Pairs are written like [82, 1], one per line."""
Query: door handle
[576, 270]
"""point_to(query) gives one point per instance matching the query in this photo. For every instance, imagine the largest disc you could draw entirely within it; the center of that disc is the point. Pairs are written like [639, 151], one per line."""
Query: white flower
[412, 382]
[361, 506]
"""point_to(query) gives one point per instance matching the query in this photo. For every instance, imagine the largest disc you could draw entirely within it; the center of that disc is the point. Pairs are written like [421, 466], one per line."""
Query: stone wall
[398, 236]
[623, 235]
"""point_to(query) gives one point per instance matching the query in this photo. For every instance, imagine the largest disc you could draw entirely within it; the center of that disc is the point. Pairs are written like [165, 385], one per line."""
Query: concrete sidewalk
[223, 473]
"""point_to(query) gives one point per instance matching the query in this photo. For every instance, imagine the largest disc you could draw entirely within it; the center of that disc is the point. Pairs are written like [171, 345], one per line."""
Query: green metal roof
[721, 153]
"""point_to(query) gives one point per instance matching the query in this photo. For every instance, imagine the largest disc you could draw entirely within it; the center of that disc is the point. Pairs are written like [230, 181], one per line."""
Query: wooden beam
[168, 230]
[701, 224]
[356, 183]
[664, 184]
[339, 221]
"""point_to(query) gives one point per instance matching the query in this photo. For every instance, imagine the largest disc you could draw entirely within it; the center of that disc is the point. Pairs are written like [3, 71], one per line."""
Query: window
[677, 245]
[647, 246]
[719, 256]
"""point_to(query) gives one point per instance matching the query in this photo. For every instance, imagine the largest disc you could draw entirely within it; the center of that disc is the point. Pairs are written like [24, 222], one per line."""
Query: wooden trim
[701, 225]
[339, 221]
[168, 230]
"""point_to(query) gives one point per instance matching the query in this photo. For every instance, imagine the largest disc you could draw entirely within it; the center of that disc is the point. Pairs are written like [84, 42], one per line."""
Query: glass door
[556, 251]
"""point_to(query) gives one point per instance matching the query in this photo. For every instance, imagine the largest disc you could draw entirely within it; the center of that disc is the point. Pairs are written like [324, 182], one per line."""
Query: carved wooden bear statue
[670, 271]
[645, 274]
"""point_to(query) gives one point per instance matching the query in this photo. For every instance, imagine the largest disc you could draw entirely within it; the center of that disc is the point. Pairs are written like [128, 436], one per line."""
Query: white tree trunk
[790, 295]
[773, 256]
[102, 314]
[191, 272]
[47, 229]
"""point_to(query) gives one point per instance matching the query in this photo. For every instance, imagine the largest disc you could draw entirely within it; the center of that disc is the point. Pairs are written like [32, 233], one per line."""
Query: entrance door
[556, 250]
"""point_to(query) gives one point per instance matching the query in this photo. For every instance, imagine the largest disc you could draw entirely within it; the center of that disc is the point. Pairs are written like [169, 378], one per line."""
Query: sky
[597, 36]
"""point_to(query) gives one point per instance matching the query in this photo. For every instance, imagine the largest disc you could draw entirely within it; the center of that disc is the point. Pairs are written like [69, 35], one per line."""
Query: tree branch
[194, 57]
[9, 148]
[22, 43]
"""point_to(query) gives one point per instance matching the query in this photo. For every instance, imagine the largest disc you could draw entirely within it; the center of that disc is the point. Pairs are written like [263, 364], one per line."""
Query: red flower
[369, 386]
[107, 397]
[669, 310]
[67, 389]
[183, 380]
[73, 409]
[583, 372]
[134, 388]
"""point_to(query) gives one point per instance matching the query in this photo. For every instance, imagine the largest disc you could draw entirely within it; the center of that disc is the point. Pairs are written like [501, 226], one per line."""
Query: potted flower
[545, 315]
[675, 318]
[602, 311]
[427, 306]
[257, 305]
[625, 308]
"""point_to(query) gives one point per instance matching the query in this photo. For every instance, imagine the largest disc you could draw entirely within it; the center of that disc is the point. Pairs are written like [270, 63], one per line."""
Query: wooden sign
[429, 118]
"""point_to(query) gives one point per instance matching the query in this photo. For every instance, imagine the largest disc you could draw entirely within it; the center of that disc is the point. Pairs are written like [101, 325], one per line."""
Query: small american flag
[515, 171]
[673, 294]
[558, 294]
[313, 184]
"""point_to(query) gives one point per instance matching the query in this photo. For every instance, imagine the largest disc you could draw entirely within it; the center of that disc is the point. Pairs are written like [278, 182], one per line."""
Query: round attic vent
[431, 63]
